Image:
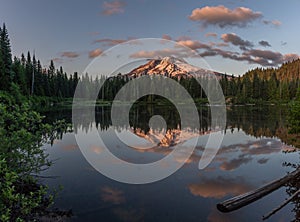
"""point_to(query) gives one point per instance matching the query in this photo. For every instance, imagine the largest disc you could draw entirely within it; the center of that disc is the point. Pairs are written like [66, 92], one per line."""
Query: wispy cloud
[114, 7]
[57, 60]
[112, 42]
[211, 34]
[223, 17]
[266, 58]
[156, 53]
[94, 53]
[275, 23]
[237, 41]
[249, 54]
[183, 38]
[264, 43]
[166, 37]
[180, 52]
[283, 43]
[193, 44]
[70, 54]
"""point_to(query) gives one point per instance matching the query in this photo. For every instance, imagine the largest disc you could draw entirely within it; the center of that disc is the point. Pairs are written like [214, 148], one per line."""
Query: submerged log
[247, 198]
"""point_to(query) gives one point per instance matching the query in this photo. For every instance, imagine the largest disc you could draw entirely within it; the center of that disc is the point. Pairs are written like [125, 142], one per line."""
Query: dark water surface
[251, 155]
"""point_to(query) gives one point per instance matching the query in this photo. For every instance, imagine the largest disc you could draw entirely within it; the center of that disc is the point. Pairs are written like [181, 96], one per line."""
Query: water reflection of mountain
[264, 121]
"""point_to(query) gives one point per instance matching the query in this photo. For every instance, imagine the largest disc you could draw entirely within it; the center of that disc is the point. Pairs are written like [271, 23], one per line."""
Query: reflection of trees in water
[291, 187]
[140, 115]
[268, 121]
[257, 121]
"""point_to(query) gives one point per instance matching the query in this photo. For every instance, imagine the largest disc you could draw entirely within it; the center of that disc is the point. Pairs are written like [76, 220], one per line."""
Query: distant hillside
[289, 71]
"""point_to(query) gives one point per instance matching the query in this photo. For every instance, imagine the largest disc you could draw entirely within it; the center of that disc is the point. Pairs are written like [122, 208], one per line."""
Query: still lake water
[251, 155]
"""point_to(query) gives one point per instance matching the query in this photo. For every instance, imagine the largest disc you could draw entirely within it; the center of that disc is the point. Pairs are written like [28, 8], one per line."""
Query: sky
[232, 36]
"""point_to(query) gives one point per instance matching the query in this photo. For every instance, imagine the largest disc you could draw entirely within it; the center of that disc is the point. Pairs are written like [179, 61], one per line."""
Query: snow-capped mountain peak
[171, 67]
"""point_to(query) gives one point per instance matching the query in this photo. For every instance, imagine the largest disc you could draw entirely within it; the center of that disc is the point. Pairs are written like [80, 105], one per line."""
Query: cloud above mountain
[248, 53]
[110, 42]
[224, 17]
[166, 37]
[193, 44]
[237, 41]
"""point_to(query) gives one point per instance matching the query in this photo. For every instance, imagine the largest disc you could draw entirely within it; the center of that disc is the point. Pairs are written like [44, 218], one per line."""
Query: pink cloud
[114, 7]
[180, 52]
[166, 37]
[211, 34]
[154, 53]
[222, 16]
[95, 53]
[222, 44]
[183, 38]
[193, 44]
[70, 54]
[57, 60]
[112, 42]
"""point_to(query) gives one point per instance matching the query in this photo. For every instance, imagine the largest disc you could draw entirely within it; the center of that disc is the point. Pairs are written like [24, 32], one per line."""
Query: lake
[252, 154]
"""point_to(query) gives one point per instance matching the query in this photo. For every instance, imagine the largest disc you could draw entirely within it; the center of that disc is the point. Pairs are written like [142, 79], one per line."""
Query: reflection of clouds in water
[131, 215]
[235, 163]
[262, 160]
[219, 187]
[210, 169]
[261, 146]
[70, 147]
[249, 150]
[112, 195]
[96, 149]
[229, 157]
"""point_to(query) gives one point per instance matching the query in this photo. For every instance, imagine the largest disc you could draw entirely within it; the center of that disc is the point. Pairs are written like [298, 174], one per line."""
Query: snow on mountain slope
[171, 67]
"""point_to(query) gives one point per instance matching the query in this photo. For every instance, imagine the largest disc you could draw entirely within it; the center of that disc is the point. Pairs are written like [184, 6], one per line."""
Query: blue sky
[225, 33]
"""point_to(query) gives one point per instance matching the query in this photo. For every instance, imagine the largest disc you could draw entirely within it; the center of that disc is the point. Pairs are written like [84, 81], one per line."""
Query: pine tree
[19, 75]
[28, 72]
[273, 92]
[5, 60]
[256, 87]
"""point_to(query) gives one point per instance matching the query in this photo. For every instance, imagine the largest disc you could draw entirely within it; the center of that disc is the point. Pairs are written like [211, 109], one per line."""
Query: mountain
[172, 67]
